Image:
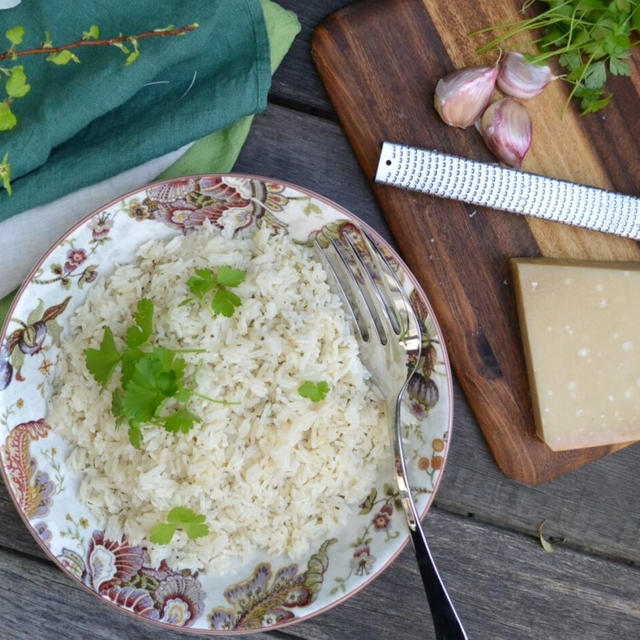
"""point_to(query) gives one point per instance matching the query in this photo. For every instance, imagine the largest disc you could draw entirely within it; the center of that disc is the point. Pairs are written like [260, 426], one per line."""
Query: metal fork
[390, 341]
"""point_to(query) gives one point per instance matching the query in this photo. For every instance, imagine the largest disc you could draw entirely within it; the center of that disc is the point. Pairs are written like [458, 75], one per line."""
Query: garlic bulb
[506, 129]
[521, 79]
[463, 95]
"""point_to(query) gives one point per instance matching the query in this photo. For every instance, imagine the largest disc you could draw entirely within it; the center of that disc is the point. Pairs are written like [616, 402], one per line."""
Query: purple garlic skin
[521, 79]
[462, 96]
[506, 129]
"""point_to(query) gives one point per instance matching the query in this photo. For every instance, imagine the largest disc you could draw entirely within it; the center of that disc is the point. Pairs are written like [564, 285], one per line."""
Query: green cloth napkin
[82, 123]
[218, 150]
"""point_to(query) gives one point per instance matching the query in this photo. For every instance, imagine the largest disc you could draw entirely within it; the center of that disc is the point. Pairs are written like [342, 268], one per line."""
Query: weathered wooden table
[483, 525]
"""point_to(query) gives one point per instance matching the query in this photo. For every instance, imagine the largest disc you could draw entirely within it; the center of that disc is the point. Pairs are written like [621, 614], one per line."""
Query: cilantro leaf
[230, 277]
[182, 420]
[154, 372]
[587, 37]
[140, 402]
[102, 362]
[203, 282]
[148, 379]
[595, 75]
[162, 533]
[116, 406]
[315, 391]
[195, 530]
[130, 358]
[143, 316]
[135, 434]
[225, 302]
[619, 67]
[179, 517]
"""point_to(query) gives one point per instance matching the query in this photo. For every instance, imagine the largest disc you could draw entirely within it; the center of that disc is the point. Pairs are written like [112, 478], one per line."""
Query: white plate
[270, 591]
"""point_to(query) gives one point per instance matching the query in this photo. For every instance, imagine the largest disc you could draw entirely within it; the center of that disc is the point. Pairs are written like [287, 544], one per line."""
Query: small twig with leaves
[16, 85]
[90, 39]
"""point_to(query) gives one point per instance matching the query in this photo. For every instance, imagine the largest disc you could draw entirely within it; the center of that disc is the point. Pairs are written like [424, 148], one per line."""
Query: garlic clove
[462, 96]
[521, 79]
[506, 129]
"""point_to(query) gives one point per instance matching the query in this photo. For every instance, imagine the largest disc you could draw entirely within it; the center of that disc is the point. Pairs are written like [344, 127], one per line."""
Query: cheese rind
[580, 324]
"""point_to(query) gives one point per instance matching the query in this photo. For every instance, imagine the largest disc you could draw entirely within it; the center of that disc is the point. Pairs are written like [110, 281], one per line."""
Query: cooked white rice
[275, 472]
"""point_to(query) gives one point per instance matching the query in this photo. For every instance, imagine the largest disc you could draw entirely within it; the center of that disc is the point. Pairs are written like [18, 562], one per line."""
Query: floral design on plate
[29, 340]
[114, 570]
[225, 201]
[382, 523]
[264, 599]
[275, 591]
[32, 488]
[70, 265]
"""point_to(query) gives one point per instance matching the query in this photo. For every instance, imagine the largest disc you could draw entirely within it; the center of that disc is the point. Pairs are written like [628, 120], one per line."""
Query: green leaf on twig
[133, 56]
[8, 119]
[63, 57]
[15, 34]
[92, 34]
[16, 86]
[5, 173]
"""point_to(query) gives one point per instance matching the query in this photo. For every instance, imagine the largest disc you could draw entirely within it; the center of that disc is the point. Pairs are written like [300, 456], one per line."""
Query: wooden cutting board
[380, 61]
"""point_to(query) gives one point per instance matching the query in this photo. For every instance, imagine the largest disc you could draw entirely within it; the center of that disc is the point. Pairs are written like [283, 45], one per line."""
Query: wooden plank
[296, 83]
[592, 508]
[504, 586]
[463, 263]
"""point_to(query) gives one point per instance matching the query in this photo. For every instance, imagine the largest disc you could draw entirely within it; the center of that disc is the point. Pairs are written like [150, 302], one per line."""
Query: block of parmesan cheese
[580, 325]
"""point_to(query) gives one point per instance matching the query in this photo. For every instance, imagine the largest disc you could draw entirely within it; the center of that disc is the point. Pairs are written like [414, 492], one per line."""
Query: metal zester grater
[497, 187]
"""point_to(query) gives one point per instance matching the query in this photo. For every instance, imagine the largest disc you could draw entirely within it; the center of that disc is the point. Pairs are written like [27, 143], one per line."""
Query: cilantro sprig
[205, 281]
[314, 391]
[148, 380]
[179, 518]
[589, 38]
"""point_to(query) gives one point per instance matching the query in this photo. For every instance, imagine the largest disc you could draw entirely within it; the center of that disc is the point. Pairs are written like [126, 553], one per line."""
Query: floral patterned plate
[272, 591]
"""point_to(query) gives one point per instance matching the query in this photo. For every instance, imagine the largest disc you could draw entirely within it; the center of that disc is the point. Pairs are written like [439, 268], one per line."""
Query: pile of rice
[276, 472]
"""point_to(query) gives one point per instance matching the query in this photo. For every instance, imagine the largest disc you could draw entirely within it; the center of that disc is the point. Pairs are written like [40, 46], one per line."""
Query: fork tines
[368, 285]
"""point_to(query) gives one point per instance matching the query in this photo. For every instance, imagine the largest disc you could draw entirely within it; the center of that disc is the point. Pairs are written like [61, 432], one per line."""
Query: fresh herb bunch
[149, 379]
[588, 38]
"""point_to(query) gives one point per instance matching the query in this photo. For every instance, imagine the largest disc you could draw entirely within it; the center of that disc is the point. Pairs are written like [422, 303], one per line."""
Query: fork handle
[445, 619]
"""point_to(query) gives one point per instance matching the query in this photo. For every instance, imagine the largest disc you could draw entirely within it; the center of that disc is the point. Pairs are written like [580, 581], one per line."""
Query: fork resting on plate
[390, 340]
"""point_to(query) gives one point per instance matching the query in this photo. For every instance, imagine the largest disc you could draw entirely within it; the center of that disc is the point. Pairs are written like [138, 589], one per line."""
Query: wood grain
[535, 595]
[380, 61]
[590, 508]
